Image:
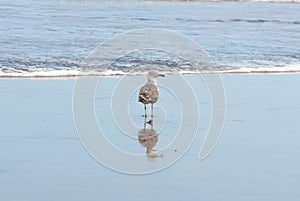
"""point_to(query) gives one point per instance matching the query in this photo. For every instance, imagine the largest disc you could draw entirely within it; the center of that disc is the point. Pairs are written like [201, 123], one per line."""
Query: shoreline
[119, 74]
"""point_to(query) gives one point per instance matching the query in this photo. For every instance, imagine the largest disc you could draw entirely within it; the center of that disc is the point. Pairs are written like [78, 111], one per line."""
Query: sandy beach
[257, 157]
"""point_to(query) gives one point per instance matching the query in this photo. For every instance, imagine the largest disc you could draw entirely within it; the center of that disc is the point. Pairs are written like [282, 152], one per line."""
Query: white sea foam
[77, 73]
[285, 69]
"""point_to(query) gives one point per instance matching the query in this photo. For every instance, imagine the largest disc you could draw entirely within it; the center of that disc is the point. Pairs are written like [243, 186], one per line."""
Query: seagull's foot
[144, 115]
[150, 122]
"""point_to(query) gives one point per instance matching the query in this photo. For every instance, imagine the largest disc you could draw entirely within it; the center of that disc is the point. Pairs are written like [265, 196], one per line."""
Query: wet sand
[257, 157]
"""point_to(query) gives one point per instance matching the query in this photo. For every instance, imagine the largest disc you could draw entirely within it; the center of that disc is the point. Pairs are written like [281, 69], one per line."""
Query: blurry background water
[43, 36]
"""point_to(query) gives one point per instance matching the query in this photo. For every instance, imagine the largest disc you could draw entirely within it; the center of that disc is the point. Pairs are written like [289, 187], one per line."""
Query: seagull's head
[155, 74]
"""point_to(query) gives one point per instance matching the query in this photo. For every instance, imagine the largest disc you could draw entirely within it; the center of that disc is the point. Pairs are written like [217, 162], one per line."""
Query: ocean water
[55, 38]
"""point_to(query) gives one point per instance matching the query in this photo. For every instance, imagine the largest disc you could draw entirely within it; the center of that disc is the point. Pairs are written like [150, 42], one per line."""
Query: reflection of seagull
[149, 92]
[149, 138]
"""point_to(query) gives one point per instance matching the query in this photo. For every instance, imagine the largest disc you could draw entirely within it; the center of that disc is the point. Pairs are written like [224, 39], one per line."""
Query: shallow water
[48, 37]
[257, 157]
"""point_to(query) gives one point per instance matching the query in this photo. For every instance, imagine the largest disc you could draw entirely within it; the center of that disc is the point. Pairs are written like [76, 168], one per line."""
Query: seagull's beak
[161, 75]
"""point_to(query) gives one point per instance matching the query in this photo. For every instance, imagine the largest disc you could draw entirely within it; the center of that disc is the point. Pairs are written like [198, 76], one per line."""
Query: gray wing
[148, 94]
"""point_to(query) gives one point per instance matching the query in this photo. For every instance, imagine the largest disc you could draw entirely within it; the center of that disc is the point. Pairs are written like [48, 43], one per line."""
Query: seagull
[149, 93]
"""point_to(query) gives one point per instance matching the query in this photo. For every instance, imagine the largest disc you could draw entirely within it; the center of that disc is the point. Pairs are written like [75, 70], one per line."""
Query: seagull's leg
[145, 123]
[145, 107]
[152, 110]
